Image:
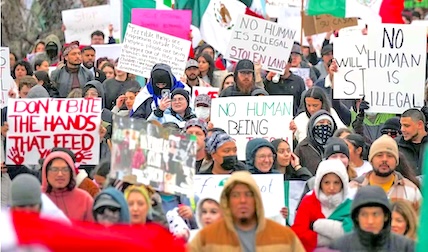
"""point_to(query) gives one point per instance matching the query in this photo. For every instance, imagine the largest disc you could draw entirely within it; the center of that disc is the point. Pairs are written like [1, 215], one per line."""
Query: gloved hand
[364, 106]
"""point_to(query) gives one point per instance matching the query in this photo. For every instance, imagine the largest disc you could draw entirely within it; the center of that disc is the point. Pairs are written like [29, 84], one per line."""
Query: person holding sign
[244, 80]
[324, 214]
[260, 156]
[244, 226]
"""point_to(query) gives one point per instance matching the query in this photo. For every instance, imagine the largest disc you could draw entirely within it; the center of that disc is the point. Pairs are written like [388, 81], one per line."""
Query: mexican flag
[216, 18]
[385, 11]
[422, 243]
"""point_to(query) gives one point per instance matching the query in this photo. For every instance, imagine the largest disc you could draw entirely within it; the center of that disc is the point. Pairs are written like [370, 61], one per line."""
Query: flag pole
[302, 14]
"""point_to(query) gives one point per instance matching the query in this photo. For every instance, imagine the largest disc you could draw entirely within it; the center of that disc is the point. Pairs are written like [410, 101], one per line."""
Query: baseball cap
[327, 49]
[245, 65]
[191, 63]
[105, 200]
[296, 49]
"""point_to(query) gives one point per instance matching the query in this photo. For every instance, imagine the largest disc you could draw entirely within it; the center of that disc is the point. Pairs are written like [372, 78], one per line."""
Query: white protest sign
[397, 63]
[294, 189]
[38, 125]
[142, 48]
[245, 118]
[210, 91]
[6, 80]
[110, 51]
[351, 57]
[271, 188]
[274, 7]
[261, 41]
[81, 23]
[302, 72]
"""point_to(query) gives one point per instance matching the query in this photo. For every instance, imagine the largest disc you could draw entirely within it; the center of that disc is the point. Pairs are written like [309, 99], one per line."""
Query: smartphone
[165, 93]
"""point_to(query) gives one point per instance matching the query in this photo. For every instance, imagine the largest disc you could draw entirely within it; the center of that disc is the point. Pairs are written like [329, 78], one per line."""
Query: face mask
[202, 112]
[322, 133]
[229, 162]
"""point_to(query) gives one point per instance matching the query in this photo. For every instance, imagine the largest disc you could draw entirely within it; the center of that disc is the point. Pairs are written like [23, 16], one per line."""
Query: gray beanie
[25, 190]
[38, 91]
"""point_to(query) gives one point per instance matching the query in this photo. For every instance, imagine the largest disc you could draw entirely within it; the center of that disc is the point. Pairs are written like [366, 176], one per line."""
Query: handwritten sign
[302, 72]
[325, 23]
[261, 41]
[245, 118]
[110, 51]
[172, 22]
[211, 91]
[351, 56]
[397, 62]
[271, 188]
[143, 48]
[38, 125]
[6, 81]
[81, 23]
[154, 155]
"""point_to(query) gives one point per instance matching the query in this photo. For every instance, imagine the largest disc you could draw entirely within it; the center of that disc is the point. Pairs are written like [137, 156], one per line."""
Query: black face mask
[229, 162]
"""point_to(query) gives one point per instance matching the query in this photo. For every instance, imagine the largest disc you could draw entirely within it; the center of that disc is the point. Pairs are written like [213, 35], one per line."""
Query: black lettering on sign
[395, 40]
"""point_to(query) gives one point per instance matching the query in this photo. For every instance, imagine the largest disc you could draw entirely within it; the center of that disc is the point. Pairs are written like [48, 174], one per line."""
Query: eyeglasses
[272, 156]
[179, 99]
[57, 170]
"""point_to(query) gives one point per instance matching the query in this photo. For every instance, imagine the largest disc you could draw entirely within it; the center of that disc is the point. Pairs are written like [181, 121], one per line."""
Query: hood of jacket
[119, 198]
[48, 159]
[148, 90]
[98, 86]
[250, 152]
[331, 166]
[311, 124]
[52, 38]
[242, 177]
[198, 211]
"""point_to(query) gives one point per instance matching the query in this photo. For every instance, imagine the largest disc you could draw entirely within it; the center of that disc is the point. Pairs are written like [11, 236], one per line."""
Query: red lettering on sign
[76, 122]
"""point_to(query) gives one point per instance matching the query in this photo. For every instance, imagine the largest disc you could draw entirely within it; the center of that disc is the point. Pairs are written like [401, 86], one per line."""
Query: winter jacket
[147, 101]
[313, 225]
[170, 116]
[250, 154]
[63, 79]
[360, 240]
[414, 155]
[76, 204]
[235, 91]
[115, 88]
[222, 235]
[402, 188]
[51, 211]
[99, 87]
[86, 184]
[120, 199]
[366, 128]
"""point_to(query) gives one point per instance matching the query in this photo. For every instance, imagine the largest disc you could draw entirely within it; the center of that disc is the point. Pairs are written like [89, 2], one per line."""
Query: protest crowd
[261, 137]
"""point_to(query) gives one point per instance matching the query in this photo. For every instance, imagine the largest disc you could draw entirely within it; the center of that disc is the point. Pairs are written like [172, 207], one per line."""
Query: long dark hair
[43, 76]
[24, 64]
[406, 170]
[211, 68]
[71, 185]
[319, 94]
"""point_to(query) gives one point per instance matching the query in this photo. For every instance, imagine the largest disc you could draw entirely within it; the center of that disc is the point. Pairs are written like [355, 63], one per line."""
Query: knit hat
[25, 190]
[323, 117]
[198, 122]
[335, 145]
[161, 76]
[141, 189]
[38, 91]
[384, 143]
[244, 65]
[69, 48]
[392, 124]
[216, 140]
[182, 92]
[203, 99]
[259, 91]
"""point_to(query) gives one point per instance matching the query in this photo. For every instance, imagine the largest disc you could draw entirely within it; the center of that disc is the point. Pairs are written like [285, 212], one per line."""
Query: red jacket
[309, 211]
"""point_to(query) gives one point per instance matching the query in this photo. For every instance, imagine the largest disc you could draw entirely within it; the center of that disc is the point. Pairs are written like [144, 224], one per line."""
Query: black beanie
[182, 92]
[335, 145]
[392, 124]
[161, 76]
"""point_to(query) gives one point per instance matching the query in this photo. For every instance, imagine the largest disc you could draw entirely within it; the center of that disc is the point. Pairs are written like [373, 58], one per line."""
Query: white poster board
[81, 23]
[271, 188]
[111, 51]
[6, 80]
[261, 41]
[351, 57]
[397, 63]
[245, 118]
[38, 125]
[213, 92]
[142, 48]
[303, 73]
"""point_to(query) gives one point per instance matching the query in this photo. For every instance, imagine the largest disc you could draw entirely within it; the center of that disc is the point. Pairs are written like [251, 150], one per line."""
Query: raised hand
[16, 156]
[83, 155]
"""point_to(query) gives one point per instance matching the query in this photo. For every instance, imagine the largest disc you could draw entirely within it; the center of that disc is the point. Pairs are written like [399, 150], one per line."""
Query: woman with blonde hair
[139, 203]
[404, 219]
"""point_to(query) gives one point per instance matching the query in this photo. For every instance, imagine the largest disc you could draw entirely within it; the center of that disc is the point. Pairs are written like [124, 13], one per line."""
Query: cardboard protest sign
[6, 80]
[172, 22]
[245, 118]
[325, 23]
[142, 48]
[38, 125]
[271, 188]
[304, 73]
[154, 155]
[261, 41]
[397, 62]
[351, 57]
[82, 22]
[110, 51]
